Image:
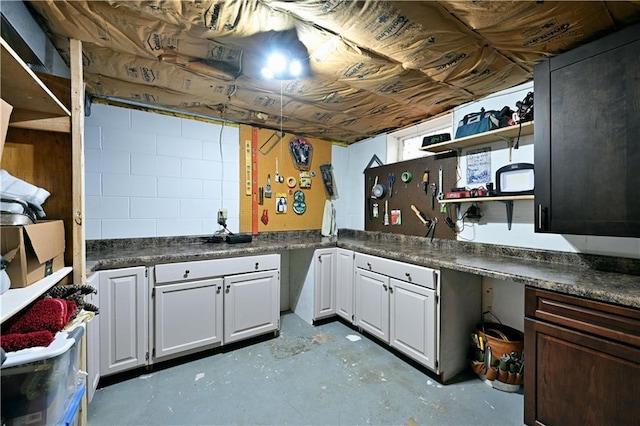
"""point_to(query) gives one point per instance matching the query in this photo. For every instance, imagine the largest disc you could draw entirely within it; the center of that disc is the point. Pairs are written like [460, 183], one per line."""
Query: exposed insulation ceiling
[374, 66]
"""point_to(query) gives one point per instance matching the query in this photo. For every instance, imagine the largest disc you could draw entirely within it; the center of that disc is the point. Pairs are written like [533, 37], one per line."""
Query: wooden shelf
[505, 133]
[481, 199]
[507, 200]
[34, 105]
[15, 299]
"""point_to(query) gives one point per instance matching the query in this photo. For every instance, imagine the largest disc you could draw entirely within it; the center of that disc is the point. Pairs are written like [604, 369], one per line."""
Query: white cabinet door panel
[93, 339]
[188, 316]
[345, 290]
[124, 319]
[325, 283]
[372, 303]
[413, 321]
[251, 305]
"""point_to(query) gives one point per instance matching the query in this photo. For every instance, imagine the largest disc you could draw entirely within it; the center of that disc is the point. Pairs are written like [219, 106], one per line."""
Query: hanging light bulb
[277, 62]
[295, 68]
[280, 65]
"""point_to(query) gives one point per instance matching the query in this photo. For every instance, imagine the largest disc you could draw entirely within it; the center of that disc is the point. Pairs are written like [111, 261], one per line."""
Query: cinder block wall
[151, 175]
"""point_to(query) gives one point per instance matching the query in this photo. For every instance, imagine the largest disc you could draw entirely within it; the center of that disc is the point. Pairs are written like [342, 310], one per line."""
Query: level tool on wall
[247, 167]
[254, 180]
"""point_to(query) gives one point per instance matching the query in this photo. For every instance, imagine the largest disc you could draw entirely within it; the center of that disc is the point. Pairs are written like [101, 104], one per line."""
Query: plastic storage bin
[39, 384]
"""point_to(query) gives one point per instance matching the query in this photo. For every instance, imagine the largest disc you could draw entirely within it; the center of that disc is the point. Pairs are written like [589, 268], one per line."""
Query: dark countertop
[608, 279]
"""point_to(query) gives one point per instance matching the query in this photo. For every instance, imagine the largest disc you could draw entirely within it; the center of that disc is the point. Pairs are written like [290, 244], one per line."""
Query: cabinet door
[93, 339]
[251, 305]
[187, 316]
[372, 303]
[123, 320]
[413, 321]
[324, 300]
[574, 378]
[586, 139]
[345, 289]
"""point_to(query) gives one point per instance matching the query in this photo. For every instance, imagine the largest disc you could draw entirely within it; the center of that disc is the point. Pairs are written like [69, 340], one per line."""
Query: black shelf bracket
[509, 205]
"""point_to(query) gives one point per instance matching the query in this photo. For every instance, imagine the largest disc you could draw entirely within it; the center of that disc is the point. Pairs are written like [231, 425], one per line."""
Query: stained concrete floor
[327, 374]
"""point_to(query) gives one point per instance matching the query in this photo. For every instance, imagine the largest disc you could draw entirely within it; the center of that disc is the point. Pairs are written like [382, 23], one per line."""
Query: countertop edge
[577, 280]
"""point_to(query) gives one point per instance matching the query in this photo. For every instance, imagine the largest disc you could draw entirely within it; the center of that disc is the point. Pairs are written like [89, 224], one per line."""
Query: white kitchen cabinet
[124, 319]
[397, 303]
[93, 339]
[413, 322]
[324, 298]
[372, 303]
[208, 303]
[251, 305]
[345, 287]
[333, 289]
[188, 315]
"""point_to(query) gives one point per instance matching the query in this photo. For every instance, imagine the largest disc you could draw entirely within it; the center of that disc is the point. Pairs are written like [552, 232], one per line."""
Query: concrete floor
[323, 375]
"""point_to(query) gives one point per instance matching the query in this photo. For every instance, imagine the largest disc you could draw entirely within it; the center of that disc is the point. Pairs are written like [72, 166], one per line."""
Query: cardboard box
[5, 113]
[33, 251]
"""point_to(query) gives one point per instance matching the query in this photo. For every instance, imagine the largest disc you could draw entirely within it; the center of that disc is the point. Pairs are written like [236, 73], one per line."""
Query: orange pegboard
[268, 154]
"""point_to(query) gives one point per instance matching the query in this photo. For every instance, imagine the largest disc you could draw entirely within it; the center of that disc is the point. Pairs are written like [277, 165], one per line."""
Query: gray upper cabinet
[587, 133]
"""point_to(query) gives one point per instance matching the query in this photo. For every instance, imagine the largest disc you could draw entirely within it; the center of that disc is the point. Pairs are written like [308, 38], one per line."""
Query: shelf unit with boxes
[43, 117]
[504, 133]
[44, 146]
[507, 134]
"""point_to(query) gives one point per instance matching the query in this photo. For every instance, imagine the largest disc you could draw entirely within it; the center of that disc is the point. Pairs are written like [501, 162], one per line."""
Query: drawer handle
[228, 288]
[369, 265]
[186, 273]
[408, 275]
[257, 265]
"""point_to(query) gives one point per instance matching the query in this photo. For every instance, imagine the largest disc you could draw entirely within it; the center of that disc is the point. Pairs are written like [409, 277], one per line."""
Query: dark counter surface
[604, 278]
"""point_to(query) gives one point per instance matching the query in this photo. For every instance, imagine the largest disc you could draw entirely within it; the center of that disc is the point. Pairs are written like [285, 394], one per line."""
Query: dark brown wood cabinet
[582, 361]
[587, 138]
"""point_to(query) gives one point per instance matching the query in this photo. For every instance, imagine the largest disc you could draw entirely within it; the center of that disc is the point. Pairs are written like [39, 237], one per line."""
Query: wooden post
[77, 177]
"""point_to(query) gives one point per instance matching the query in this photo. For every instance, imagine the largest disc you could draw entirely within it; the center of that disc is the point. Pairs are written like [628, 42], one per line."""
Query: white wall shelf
[504, 133]
[15, 299]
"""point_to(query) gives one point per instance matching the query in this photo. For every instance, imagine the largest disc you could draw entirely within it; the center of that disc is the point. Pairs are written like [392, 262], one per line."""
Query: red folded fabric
[16, 341]
[46, 314]
[71, 311]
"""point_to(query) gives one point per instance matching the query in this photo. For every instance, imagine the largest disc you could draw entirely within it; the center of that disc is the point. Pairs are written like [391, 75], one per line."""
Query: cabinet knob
[257, 265]
[219, 289]
[408, 275]
[186, 273]
[390, 289]
[384, 286]
[226, 290]
[369, 265]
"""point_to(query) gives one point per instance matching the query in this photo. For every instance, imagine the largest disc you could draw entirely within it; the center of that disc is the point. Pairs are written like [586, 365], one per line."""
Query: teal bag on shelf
[477, 122]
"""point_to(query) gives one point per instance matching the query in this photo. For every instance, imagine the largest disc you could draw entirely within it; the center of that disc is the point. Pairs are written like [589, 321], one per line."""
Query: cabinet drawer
[613, 322]
[183, 271]
[414, 274]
